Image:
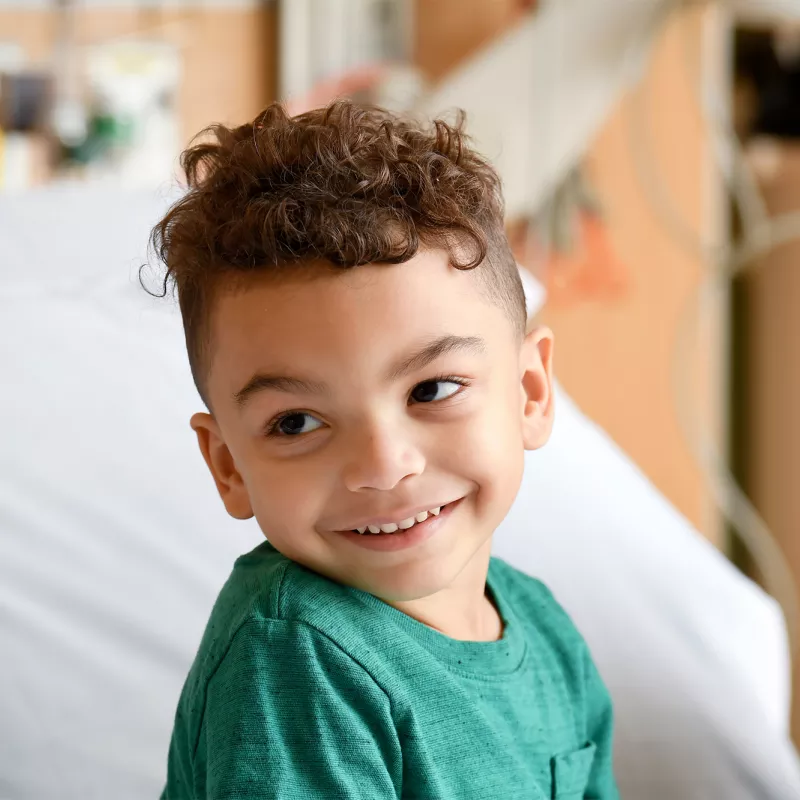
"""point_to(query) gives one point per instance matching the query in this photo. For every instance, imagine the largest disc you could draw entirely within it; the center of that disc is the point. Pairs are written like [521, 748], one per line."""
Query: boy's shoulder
[265, 587]
[265, 584]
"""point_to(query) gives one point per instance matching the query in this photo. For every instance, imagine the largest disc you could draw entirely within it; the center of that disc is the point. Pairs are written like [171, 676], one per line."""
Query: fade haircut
[344, 185]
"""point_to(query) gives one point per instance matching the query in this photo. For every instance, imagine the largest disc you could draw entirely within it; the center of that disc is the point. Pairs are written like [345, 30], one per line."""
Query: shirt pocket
[571, 772]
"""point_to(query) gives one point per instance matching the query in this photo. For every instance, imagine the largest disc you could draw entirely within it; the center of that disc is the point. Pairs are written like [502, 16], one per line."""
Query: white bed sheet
[113, 545]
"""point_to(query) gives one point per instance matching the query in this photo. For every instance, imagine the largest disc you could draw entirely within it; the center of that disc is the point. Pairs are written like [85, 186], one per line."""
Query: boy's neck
[463, 610]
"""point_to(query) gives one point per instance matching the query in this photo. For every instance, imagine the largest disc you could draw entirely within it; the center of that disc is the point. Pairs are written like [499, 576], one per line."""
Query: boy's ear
[536, 367]
[220, 462]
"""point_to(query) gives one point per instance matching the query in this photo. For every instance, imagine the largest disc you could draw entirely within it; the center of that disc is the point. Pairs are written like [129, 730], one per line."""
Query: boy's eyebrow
[438, 347]
[416, 361]
[279, 383]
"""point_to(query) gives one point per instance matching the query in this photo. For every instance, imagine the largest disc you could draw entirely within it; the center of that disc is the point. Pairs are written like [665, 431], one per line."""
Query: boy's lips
[402, 539]
[392, 516]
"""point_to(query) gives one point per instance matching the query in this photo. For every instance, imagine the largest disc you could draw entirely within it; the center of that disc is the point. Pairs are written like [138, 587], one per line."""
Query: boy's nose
[380, 459]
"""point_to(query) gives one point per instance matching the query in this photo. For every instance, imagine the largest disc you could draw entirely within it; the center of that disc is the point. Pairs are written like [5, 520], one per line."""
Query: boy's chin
[410, 588]
[417, 580]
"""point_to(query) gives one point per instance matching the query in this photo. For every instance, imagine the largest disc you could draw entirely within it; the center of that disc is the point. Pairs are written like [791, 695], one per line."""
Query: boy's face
[371, 395]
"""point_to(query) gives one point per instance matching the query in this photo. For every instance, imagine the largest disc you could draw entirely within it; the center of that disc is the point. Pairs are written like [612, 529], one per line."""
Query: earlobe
[536, 367]
[222, 466]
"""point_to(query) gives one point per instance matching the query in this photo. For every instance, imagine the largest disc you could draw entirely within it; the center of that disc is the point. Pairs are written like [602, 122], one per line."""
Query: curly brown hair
[345, 185]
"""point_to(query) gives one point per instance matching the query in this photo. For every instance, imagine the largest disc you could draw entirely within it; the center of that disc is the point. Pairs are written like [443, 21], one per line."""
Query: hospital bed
[113, 545]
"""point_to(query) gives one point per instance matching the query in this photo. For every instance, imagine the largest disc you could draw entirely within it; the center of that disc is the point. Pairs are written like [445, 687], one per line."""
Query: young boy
[356, 327]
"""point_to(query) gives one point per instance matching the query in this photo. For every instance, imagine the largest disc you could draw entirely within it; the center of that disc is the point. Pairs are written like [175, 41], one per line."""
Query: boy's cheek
[285, 495]
[489, 454]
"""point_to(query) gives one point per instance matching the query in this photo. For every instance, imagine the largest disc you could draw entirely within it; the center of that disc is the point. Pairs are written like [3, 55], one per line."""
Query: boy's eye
[430, 391]
[294, 424]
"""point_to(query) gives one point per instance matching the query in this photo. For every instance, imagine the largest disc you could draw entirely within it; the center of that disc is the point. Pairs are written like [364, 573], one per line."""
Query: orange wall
[615, 358]
[448, 31]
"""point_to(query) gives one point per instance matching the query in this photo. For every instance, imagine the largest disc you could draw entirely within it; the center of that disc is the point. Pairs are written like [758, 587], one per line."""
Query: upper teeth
[403, 525]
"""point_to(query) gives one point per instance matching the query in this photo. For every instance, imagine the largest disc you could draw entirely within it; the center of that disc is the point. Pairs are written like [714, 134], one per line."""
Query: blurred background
[651, 156]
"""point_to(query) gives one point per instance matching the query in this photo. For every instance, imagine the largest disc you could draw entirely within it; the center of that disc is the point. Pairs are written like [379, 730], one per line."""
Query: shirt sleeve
[290, 715]
[600, 726]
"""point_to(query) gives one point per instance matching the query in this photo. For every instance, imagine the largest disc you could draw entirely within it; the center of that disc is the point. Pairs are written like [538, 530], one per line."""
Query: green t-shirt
[307, 689]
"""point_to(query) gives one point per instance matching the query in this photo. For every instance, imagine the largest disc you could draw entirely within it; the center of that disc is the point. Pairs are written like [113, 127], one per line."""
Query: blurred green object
[106, 133]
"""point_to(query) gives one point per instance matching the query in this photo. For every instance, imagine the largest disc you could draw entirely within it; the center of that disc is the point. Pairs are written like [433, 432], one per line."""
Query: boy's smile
[409, 532]
[344, 399]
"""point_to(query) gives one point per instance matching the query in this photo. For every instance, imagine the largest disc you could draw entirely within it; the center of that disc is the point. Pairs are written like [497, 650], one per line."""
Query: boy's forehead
[324, 317]
[425, 291]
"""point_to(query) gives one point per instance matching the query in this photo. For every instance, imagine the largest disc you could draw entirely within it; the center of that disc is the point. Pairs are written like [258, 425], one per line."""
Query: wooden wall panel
[772, 389]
